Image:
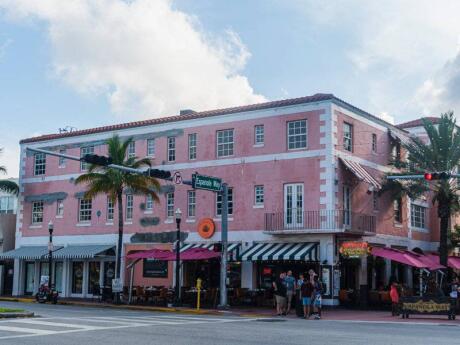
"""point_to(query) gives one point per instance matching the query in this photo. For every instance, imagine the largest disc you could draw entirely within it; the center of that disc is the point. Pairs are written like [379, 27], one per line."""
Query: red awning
[400, 256]
[431, 261]
[452, 261]
[167, 255]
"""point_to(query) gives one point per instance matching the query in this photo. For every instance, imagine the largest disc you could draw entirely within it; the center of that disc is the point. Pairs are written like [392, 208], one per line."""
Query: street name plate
[206, 182]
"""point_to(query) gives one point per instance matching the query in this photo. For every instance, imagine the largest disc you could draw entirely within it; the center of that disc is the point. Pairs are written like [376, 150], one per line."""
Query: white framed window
[192, 146]
[110, 209]
[151, 147]
[129, 206]
[229, 202]
[39, 164]
[59, 207]
[297, 134]
[293, 205]
[37, 212]
[348, 136]
[7, 204]
[259, 195]
[418, 216]
[259, 135]
[397, 209]
[375, 201]
[374, 142]
[149, 202]
[170, 205]
[62, 159]
[225, 143]
[87, 150]
[191, 203]
[132, 149]
[171, 149]
[84, 210]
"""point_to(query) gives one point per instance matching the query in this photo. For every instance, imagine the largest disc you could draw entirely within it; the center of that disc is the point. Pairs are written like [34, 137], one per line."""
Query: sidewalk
[336, 314]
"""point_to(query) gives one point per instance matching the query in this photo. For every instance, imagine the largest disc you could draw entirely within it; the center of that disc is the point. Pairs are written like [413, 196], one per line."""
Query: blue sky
[86, 63]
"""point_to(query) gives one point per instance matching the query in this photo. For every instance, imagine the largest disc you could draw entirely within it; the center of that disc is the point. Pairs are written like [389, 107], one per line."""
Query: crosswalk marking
[21, 328]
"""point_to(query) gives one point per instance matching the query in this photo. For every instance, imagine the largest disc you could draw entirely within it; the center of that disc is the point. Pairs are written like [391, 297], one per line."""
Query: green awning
[27, 253]
[85, 251]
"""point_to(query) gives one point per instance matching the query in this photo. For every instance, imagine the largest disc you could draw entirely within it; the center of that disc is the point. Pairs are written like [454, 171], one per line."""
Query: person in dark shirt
[307, 290]
[280, 294]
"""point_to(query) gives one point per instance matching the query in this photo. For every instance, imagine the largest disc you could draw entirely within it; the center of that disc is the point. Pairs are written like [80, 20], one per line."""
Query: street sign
[213, 184]
[177, 178]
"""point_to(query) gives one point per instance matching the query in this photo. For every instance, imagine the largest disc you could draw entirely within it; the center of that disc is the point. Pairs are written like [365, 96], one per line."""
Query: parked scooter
[47, 294]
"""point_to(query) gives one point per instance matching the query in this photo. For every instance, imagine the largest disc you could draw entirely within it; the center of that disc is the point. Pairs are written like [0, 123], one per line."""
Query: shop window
[94, 275]
[155, 268]
[77, 277]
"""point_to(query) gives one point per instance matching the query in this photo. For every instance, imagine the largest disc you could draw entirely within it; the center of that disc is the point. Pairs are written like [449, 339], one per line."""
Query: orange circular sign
[206, 228]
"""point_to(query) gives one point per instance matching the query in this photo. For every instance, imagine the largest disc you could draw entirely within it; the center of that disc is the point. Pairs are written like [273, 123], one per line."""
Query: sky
[86, 63]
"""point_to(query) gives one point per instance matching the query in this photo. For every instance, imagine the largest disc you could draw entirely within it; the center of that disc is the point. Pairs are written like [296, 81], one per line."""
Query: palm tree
[112, 182]
[440, 154]
[7, 186]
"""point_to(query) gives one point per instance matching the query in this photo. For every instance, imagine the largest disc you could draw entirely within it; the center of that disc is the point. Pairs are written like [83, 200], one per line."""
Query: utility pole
[224, 240]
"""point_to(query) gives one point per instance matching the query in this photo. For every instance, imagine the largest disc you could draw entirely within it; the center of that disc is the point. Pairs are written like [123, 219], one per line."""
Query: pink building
[303, 175]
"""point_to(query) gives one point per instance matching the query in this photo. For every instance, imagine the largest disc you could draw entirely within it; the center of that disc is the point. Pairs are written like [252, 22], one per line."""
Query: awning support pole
[131, 280]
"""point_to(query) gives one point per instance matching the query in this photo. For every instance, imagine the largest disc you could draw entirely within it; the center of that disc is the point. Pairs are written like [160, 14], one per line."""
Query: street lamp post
[178, 215]
[50, 254]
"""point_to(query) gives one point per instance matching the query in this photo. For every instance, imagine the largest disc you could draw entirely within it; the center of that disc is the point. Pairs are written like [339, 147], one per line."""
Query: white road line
[25, 330]
[55, 324]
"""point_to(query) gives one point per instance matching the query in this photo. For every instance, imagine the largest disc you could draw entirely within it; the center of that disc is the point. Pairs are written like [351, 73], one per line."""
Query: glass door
[94, 275]
[77, 277]
[30, 280]
[109, 273]
[293, 205]
[57, 275]
[44, 273]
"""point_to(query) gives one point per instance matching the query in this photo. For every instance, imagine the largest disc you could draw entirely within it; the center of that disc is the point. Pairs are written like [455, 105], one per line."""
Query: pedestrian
[290, 283]
[307, 293]
[317, 293]
[394, 295]
[455, 287]
[279, 288]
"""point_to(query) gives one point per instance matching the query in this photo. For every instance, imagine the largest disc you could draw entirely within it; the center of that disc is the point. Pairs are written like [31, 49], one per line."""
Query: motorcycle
[47, 294]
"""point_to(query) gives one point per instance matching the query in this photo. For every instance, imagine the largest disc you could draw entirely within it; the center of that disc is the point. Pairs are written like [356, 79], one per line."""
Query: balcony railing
[332, 220]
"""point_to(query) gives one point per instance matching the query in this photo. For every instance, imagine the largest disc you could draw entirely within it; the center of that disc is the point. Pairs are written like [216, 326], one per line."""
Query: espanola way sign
[213, 184]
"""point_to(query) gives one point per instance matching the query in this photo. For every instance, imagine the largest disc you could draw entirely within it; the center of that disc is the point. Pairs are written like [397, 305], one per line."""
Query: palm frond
[9, 186]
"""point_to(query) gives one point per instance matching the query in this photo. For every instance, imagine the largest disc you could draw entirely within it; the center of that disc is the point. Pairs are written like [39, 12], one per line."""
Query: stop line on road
[22, 328]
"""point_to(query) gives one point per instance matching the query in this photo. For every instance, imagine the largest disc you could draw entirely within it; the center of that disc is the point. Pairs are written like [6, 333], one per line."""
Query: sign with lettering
[213, 184]
[354, 249]
[427, 305]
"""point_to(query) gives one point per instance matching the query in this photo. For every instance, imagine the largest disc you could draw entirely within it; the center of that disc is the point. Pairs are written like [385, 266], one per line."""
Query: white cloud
[146, 57]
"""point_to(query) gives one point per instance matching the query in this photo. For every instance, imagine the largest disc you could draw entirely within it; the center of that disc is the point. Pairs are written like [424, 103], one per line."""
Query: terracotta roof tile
[418, 122]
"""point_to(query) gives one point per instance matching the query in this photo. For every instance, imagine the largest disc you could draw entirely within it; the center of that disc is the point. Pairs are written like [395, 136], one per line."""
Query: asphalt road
[68, 325]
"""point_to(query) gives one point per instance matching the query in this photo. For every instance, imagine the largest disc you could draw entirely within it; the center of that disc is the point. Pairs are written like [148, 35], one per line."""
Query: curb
[22, 300]
[16, 315]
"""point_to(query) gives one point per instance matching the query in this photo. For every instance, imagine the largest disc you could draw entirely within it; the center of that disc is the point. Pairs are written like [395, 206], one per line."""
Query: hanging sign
[206, 228]
[354, 249]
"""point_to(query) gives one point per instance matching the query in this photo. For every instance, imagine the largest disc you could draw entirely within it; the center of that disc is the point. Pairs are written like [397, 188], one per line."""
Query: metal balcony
[297, 221]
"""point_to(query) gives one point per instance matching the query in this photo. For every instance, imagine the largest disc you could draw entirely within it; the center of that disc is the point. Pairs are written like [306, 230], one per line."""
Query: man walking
[307, 293]
[290, 290]
[318, 291]
[280, 294]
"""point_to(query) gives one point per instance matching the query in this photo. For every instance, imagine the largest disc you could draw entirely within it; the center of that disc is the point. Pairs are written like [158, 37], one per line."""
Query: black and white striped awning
[233, 249]
[307, 251]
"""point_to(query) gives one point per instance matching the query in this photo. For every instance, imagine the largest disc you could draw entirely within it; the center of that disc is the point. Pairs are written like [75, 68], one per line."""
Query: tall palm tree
[440, 154]
[7, 185]
[112, 182]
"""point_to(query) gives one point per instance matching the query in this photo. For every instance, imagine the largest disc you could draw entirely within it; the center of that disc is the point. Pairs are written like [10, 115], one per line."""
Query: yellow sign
[354, 249]
[426, 307]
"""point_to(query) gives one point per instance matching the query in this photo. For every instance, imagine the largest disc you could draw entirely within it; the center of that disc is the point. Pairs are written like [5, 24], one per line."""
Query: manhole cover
[270, 320]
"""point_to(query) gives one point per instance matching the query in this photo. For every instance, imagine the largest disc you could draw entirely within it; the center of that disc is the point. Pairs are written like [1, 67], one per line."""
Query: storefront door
[109, 273]
[293, 205]
[94, 274]
[30, 278]
[44, 271]
[58, 276]
[77, 277]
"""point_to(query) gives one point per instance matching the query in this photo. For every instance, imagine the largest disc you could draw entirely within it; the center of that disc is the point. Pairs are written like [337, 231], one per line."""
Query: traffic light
[443, 175]
[96, 159]
[162, 174]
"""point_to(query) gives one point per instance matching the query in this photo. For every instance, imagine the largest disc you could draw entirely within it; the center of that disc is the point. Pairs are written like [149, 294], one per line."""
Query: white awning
[28, 253]
[360, 172]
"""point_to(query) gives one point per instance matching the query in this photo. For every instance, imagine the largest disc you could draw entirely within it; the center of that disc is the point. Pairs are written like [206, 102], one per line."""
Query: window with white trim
[149, 202]
[39, 164]
[259, 195]
[170, 205]
[59, 207]
[225, 143]
[418, 216]
[297, 134]
[129, 206]
[84, 210]
[110, 209]
[191, 203]
[229, 202]
[132, 149]
[150, 147]
[348, 136]
[171, 149]
[37, 212]
[374, 142]
[192, 146]
[397, 209]
[7, 204]
[62, 159]
[259, 135]
[87, 150]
